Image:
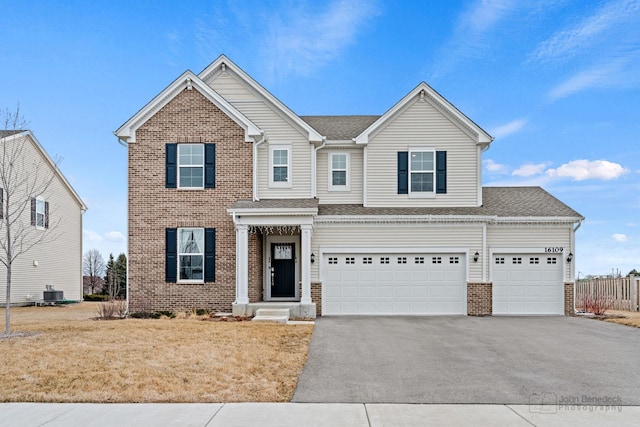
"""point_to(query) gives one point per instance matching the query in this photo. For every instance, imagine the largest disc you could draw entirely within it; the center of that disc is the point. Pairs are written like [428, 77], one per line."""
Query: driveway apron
[491, 360]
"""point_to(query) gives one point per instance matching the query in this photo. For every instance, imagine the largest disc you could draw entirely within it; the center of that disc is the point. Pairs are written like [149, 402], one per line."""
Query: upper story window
[421, 171]
[191, 165]
[39, 213]
[280, 166]
[339, 172]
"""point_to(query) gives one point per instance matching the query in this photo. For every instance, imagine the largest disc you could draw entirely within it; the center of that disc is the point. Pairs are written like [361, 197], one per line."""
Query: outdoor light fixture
[570, 257]
[476, 256]
[313, 258]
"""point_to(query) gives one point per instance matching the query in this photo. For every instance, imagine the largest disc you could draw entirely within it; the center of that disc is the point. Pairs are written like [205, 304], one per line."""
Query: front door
[283, 270]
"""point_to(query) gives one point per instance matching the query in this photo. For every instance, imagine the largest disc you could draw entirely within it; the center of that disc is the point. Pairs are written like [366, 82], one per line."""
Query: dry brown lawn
[73, 358]
[631, 318]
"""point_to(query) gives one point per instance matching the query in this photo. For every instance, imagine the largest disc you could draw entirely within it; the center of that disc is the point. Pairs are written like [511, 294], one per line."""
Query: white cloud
[494, 167]
[114, 236]
[507, 129]
[600, 76]
[91, 236]
[620, 237]
[574, 40]
[303, 40]
[530, 170]
[580, 170]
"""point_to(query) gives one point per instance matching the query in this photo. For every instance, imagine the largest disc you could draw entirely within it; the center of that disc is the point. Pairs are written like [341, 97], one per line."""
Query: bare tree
[93, 267]
[21, 181]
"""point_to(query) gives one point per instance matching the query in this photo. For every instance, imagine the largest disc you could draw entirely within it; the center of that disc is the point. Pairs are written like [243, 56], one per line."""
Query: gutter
[126, 145]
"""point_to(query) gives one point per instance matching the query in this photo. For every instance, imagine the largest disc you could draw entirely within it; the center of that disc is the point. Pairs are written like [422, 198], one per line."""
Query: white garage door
[527, 284]
[379, 283]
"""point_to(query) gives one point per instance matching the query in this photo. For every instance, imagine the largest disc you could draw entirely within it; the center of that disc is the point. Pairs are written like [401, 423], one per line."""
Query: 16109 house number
[554, 250]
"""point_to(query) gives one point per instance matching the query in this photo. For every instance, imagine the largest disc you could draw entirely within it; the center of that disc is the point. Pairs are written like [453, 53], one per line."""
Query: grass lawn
[631, 318]
[73, 358]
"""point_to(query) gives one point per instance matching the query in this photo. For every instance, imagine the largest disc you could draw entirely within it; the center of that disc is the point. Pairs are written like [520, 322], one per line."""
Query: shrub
[112, 309]
[95, 297]
[152, 314]
[597, 303]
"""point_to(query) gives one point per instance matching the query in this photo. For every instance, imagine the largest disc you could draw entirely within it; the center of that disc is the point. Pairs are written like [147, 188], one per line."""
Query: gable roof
[426, 92]
[27, 134]
[502, 202]
[223, 61]
[340, 128]
[189, 81]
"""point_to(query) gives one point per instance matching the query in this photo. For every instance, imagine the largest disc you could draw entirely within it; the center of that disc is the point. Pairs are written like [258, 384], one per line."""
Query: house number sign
[554, 250]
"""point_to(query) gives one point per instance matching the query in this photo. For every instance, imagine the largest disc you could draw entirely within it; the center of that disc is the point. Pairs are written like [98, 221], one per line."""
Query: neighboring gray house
[57, 260]
[236, 202]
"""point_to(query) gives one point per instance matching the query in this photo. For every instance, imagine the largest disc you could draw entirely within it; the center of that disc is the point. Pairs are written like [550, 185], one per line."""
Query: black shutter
[46, 214]
[403, 172]
[441, 172]
[171, 166]
[171, 255]
[210, 166]
[1, 203]
[33, 211]
[209, 254]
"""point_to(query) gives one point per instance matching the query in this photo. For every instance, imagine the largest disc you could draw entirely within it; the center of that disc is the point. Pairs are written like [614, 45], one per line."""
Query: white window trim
[190, 166]
[43, 213]
[422, 194]
[330, 185]
[179, 253]
[289, 182]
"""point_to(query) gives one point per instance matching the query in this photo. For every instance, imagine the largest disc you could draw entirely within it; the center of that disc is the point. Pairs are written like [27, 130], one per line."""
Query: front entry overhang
[286, 216]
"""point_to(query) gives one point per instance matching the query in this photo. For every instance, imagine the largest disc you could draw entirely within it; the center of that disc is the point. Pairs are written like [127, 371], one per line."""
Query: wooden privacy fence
[623, 292]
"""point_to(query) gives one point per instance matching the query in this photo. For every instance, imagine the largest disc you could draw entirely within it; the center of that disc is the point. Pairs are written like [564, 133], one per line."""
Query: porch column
[305, 231]
[242, 264]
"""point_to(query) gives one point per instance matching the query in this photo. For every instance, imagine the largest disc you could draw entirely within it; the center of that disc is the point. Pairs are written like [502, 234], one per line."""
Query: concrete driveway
[503, 360]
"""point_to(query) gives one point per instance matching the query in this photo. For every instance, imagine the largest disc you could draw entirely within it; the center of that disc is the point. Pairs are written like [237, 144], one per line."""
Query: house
[46, 217]
[236, 203]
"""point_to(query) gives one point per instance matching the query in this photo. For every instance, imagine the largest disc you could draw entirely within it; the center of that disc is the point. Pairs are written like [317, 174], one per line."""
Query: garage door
[379, 283]
[527, 284]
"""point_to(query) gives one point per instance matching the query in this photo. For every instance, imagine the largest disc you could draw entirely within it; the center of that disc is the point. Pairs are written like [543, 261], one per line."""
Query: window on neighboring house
[421, 171]
[39, 213]
[191, 254]
[280, 160]
[191, 165]
[339, 171]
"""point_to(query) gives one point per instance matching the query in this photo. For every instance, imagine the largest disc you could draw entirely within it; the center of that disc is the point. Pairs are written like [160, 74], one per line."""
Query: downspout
[126, 145]
[314, 172]
[573, 247]
[255, 168]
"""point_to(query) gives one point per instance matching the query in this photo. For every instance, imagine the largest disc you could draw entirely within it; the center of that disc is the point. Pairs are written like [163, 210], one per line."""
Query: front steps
[278, 315]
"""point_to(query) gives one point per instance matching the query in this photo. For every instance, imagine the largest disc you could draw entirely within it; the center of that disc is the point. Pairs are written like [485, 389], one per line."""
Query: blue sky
[556, 82]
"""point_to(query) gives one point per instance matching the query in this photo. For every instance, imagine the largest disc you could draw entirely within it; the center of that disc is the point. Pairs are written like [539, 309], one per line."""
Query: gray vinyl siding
[422, 124]
[398, 236]
[354, 195]
[231, 89]
[512, 236]
[59, 257]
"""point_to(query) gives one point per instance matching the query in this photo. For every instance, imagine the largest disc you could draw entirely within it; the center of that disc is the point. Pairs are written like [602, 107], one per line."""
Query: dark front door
[283, 270]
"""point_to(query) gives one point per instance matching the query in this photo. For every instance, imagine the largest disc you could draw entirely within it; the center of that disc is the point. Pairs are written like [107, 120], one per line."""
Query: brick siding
[189, 117]
[479, 299]
[569, 307]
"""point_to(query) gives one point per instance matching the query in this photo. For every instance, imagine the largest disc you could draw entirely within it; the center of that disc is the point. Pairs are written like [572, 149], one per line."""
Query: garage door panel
[527, 284]
[395, 284]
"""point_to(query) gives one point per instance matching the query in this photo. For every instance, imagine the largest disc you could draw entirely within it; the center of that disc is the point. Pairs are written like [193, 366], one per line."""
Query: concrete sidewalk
[309, 414]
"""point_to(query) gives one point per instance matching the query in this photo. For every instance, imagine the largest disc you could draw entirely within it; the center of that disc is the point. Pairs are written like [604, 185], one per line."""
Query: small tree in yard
[93, 267]
[21, 181]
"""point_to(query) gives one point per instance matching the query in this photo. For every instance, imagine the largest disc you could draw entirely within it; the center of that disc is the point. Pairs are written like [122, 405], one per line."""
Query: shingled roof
[340, 127]
[497, 201]
[6, 133]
